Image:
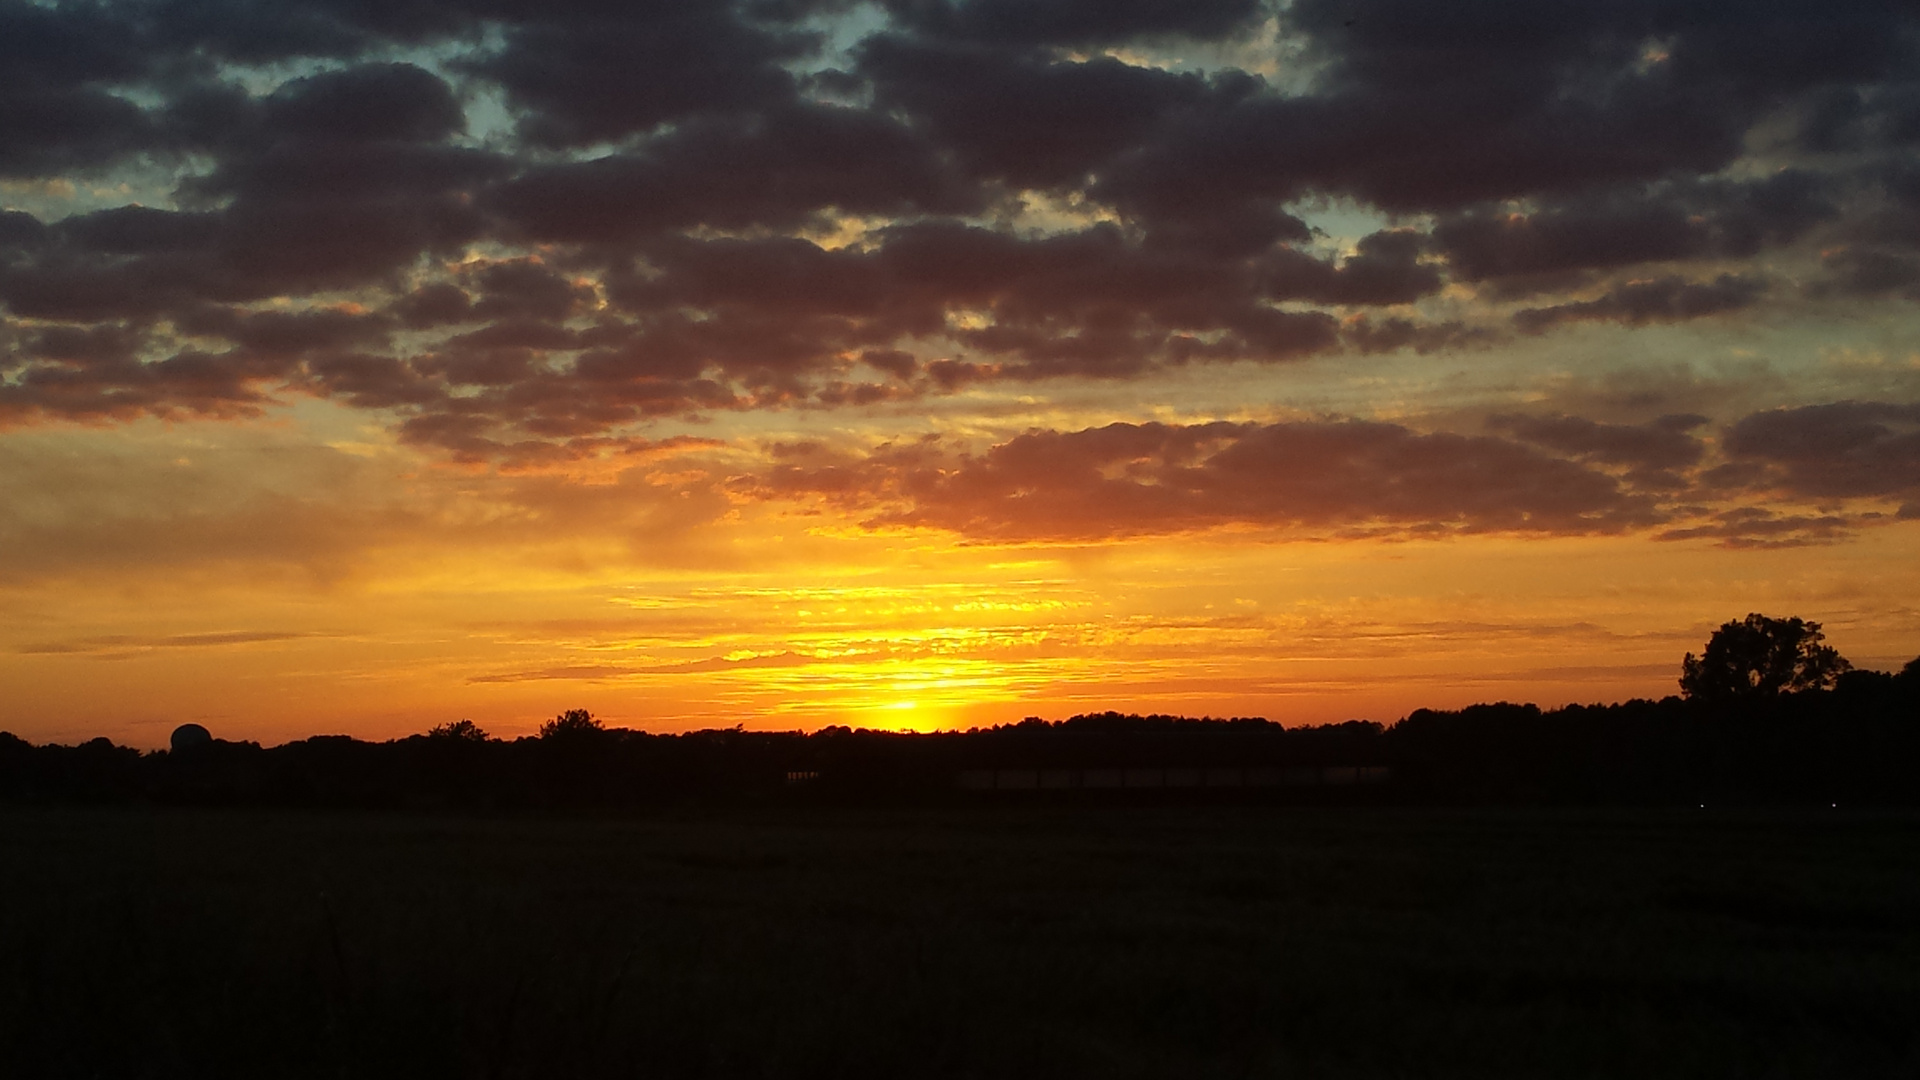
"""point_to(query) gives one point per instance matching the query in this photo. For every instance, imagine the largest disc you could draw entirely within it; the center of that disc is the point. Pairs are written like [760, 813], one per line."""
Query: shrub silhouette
[188, 738]
[1761, 655]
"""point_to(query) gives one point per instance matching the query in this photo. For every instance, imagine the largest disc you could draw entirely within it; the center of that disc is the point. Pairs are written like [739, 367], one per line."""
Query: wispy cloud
[120, 645]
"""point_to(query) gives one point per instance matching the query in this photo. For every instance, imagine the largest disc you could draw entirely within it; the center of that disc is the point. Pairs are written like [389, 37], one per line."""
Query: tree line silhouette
[1767, 714]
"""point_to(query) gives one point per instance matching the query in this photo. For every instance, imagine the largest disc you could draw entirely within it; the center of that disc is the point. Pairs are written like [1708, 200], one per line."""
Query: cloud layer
[498, 224]
[1530, 475]
[526, 235]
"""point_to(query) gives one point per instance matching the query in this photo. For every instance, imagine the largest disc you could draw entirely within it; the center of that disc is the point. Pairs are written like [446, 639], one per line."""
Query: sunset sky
[369, 364]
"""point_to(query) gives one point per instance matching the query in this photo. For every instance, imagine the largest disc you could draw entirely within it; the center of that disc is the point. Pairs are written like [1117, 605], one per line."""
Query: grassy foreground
[1006, 942]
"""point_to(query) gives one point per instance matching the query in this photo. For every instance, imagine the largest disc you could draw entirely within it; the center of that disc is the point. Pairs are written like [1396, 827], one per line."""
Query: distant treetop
[1762, 655]
[462, 730]
[571, 724]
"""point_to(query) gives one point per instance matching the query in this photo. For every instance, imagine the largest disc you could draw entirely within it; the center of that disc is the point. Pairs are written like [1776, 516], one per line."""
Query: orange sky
[377, 593]
[939, 365]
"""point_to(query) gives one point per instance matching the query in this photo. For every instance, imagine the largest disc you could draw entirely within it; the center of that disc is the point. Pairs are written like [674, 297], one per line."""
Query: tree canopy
[458, 731]
[1762, 655]
[572, 724]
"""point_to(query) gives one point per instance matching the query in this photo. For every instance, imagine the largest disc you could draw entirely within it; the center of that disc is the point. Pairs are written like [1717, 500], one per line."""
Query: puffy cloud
[373, 103]
[1628, 227]
[780, 203]
[774, 172]
[582, 76]
[1663, 443]
[1025, 119]
[1384, 269]
[57, 110]
[1840, 450]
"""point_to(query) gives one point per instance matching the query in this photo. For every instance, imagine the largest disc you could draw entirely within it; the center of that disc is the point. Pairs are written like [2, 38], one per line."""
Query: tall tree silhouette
[1761, 655]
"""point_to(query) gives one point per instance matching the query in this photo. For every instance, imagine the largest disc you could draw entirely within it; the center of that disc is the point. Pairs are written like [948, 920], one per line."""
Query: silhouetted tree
[571, 724]
[461, 731]
[1761, 655]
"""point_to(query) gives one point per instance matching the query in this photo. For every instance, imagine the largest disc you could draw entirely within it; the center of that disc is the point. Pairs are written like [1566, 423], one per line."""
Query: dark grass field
[1003, 942]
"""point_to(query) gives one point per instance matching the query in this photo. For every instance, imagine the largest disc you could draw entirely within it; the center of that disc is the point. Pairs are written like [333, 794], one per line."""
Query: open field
[1189, 941]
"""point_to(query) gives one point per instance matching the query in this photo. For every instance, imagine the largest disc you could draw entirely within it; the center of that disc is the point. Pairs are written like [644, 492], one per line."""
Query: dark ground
[991, 942]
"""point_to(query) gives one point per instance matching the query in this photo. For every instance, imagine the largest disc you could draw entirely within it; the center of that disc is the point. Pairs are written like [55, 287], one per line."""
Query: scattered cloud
[640, 234]
[120, 646]
[1840, 450]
